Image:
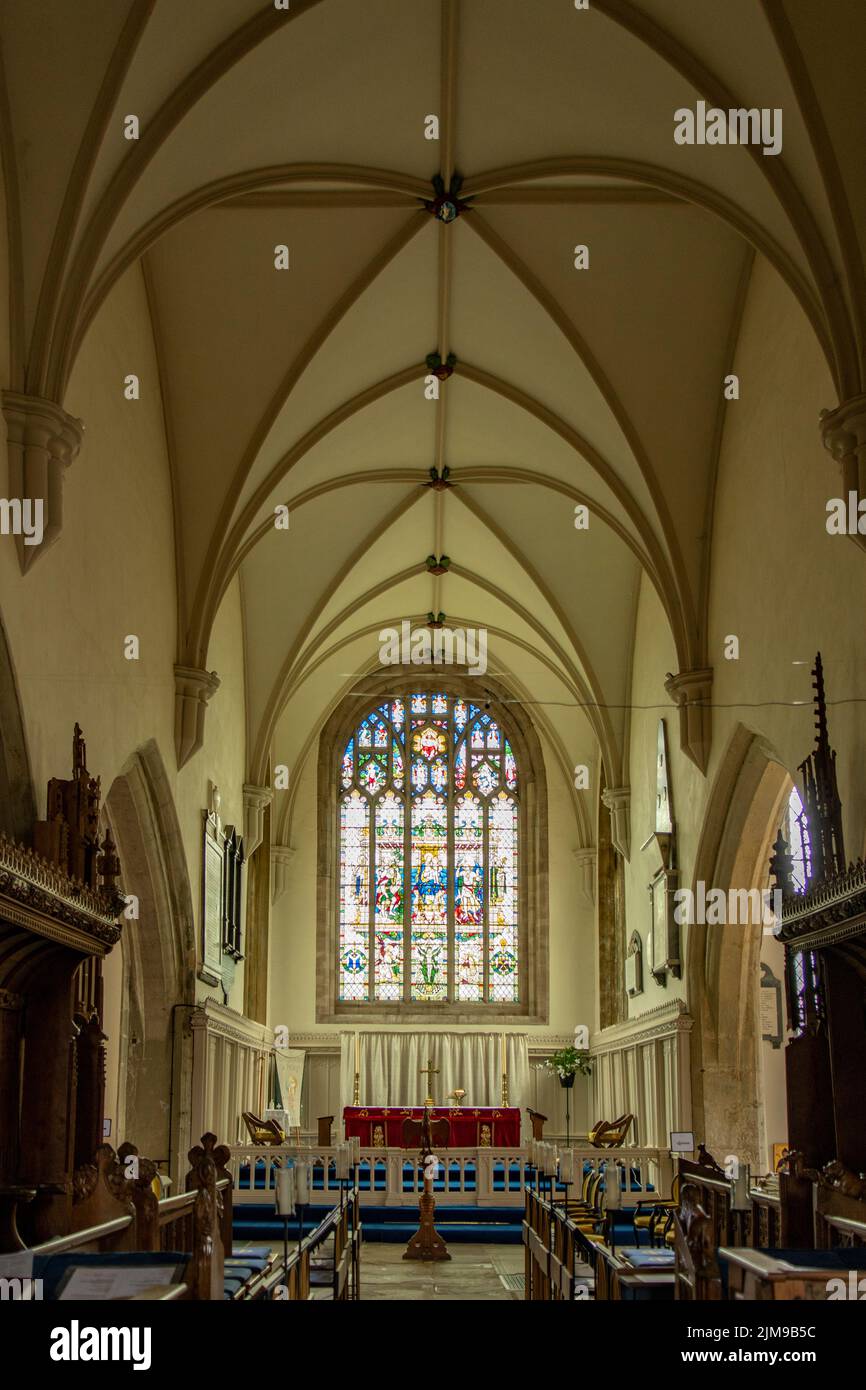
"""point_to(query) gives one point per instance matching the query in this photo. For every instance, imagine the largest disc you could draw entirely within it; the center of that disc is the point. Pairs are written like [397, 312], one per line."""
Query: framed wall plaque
[634, 966]
[771, 1007]
[212, 874]
[663, 944]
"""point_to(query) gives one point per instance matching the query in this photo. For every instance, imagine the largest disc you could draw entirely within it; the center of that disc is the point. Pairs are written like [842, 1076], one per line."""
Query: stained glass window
[796, 831]
[429, 832]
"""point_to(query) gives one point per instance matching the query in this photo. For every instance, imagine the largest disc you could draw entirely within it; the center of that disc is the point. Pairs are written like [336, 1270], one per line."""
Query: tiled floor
[471, 1274]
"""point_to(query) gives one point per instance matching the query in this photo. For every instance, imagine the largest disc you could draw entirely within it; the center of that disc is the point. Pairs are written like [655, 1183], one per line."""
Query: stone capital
[42, 441]
[586, 862]
[843, 434]
[256, 801]
[192, 690]
[692, 692]
[618, 802]
[281, 858]
[843, 430]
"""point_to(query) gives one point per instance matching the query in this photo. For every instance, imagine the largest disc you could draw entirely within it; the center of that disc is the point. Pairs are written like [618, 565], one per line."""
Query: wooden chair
[588, 1215]
[325, 1122]
[655, 1215]
[610, 1134]
[575, 1205]
[262, 1131]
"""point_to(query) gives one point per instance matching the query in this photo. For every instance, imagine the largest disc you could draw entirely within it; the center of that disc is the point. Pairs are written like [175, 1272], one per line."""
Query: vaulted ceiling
[262, 127]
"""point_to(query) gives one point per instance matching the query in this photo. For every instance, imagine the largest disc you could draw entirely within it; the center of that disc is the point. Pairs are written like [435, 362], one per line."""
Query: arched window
[796, 831]
[803, 967]
[429, 821]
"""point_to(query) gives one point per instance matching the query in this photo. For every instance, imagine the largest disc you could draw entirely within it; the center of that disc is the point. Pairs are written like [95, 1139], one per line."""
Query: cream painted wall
[293, 932]
[111, 574]
[654, 656]
[770, 551]
[776, 582]
[222, 760]
[5, 367]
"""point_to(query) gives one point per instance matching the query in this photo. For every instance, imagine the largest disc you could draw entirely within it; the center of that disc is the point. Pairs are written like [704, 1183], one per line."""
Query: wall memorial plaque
[210, 970]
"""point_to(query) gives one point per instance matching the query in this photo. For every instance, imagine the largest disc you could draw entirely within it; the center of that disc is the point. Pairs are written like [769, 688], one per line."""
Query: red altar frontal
[470, 1128]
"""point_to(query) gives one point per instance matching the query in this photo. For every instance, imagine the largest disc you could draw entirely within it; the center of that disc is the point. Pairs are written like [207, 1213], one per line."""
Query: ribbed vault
[308, 387]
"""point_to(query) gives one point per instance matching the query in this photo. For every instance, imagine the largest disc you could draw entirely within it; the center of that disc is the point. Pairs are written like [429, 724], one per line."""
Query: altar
[470, 1127]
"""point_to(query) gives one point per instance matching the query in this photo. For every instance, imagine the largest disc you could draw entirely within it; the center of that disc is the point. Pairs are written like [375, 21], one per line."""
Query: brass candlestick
[356, 1094]
[505, 1088]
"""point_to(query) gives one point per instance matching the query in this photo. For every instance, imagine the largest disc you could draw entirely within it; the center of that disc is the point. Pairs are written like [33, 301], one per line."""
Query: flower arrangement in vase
[567, 1062]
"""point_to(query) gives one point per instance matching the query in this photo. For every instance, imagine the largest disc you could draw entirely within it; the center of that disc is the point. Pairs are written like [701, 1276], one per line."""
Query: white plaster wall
[111, 574]
[221, 760]
[4, 289]
[778, 582]
[654, 656]
[786, 589]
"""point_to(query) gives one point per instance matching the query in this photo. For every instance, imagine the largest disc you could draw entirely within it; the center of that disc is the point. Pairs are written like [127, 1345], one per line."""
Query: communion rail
[478, 1177]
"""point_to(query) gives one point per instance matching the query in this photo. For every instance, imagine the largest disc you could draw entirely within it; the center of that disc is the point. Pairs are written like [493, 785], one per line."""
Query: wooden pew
[296, 1280]
[115, 1210]
[803, 1211]
[840, 1209]
[765, 1227]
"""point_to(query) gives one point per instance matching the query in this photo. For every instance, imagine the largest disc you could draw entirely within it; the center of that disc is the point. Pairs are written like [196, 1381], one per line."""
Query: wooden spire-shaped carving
[821, 794]
[69, 834]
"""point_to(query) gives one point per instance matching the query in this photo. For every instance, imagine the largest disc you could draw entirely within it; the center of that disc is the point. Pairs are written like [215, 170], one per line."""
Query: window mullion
[407, 855]
[449, 852]
[485, 914]
[371, 905]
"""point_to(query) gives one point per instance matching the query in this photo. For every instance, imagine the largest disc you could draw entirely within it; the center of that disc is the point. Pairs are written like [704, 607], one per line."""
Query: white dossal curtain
[391, 1065]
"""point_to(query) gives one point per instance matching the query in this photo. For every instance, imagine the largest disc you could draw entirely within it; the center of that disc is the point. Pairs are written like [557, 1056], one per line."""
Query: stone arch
[723, 963]
[158, 954]
[17, 802]
[533, 832]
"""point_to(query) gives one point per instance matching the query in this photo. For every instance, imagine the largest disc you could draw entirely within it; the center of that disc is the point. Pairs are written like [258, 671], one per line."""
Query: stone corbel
[256, 801]
[843, 434]
[281, 858]
[586, 860]
[691, 692]
[42, 442]
[192, 690]
[618, 802]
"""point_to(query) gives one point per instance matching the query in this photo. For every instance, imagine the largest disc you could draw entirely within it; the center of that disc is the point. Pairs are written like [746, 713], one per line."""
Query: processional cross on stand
[429, 1071]
[426, 1244]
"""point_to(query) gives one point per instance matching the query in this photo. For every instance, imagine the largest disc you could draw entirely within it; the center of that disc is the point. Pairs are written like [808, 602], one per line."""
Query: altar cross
[429, 1071]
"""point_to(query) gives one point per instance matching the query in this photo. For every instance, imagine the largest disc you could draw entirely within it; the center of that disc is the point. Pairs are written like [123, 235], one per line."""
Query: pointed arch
[722, 962]
[158, 953]
[533, 853]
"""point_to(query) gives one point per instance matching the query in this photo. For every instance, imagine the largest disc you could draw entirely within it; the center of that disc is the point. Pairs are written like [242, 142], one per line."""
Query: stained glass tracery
[428, 856]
